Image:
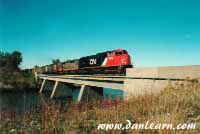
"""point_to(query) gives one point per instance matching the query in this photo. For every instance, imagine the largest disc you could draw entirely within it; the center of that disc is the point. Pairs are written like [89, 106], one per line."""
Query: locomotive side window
[125, 52]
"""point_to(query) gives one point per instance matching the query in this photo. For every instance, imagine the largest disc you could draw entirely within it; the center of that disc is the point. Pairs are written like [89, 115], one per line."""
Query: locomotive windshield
[118, 53]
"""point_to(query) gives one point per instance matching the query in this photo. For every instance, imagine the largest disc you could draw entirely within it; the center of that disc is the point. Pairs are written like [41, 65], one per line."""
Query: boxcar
[70, 65]
[43, 69]
[51, 68]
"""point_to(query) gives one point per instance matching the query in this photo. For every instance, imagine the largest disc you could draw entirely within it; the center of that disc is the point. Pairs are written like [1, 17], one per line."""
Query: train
[108, 62]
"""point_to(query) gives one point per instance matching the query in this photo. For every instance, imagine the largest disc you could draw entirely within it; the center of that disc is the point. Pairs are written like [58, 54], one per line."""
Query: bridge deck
[90, 81]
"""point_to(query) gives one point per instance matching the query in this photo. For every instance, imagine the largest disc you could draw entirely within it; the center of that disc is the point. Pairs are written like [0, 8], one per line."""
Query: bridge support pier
[42, 86]
[81, 93]
[54, 89]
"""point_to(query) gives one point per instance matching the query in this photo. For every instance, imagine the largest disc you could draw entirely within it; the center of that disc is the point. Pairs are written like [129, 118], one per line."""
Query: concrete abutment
[155, 79]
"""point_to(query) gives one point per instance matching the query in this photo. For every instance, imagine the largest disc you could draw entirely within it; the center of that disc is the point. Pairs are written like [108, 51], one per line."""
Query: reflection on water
[112, 93]
[20, 101]
[13, 101]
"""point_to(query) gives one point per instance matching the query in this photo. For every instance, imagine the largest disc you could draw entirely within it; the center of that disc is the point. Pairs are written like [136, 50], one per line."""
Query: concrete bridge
[138, 81]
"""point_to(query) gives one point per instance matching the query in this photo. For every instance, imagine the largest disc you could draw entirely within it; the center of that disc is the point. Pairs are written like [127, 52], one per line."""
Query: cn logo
[93, 61]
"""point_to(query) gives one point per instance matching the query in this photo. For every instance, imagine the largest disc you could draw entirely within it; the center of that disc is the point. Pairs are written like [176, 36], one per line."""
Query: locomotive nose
[125, 60]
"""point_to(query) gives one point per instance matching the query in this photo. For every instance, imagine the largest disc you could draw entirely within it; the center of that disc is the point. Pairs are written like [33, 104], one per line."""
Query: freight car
[109, 62]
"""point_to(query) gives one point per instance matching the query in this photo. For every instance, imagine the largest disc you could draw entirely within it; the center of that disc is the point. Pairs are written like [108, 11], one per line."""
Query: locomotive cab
[118, 58]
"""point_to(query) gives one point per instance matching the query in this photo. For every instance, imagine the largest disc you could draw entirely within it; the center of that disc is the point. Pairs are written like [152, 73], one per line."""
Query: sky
[155, 32]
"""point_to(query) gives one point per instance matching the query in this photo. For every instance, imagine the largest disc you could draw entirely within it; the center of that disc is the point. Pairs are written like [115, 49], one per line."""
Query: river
[19, 102]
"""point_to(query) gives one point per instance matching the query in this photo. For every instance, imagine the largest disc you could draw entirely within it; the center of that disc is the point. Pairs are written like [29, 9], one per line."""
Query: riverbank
[178, 104]
[17, 81]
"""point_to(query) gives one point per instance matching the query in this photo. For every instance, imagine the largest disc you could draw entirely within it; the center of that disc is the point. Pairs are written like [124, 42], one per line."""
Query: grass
[175, 104]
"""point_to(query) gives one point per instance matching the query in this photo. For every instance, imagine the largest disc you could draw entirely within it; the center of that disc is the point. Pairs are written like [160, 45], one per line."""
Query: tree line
[10, 61]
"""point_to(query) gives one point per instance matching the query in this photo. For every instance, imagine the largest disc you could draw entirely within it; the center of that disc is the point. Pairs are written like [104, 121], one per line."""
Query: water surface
[22, 101]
